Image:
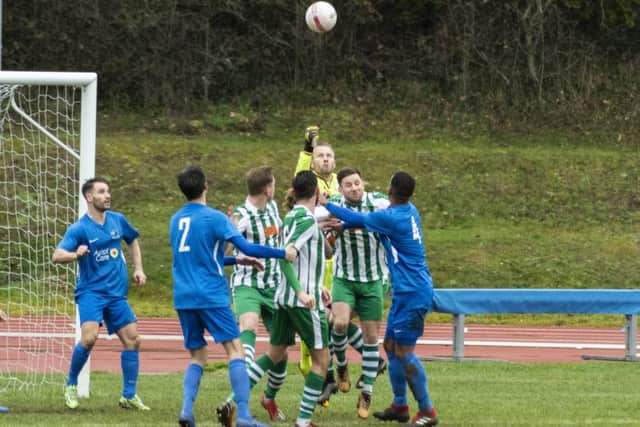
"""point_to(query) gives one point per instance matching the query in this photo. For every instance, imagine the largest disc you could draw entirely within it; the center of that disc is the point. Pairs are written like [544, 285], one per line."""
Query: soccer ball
[321, 17]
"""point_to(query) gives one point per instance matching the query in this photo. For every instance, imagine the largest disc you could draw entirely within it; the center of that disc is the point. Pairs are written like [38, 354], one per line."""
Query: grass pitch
[466, 394]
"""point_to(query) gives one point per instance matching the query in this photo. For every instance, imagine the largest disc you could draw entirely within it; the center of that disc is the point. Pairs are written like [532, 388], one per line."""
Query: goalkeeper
[319, 157]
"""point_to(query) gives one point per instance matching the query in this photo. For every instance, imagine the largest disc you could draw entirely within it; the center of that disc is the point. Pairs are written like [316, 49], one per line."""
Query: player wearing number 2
[401, 232]
[200, 294]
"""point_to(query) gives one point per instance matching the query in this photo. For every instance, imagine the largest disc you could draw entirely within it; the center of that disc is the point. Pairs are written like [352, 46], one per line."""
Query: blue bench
[461, 302]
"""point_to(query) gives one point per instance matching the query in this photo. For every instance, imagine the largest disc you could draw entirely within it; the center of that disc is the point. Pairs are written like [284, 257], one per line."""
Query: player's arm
[293, 282]
[136, 254]
[260, 251]
[310, 139]
[350, 218]
[244, 260]
[69, 249]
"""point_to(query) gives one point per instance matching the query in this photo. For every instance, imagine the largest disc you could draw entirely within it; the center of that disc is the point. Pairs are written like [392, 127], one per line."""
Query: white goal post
[47, 151]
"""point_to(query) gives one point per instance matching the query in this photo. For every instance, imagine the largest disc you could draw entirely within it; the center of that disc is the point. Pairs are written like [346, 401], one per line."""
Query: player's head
[401, 188]
[260, 181]
[351, 184]
[97, 193]
[323, 161]
[192, 182]
[303, 187]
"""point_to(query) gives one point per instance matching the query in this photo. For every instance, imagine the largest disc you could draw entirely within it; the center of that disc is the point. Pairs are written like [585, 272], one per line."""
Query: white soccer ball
[321, 17]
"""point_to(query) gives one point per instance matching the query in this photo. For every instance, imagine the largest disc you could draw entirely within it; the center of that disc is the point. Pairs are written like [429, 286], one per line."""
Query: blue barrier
[461, 302]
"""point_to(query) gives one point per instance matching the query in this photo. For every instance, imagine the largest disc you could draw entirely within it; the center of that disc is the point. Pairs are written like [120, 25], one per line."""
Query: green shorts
[364, 298]
[311, 325]
[252, 300]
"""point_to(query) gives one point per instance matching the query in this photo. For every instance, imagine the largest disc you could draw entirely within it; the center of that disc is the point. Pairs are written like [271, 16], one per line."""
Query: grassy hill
[500, 209]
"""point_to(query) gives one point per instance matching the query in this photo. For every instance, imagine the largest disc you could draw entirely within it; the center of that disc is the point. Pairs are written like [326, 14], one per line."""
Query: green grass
[466, 394]
[552, 210]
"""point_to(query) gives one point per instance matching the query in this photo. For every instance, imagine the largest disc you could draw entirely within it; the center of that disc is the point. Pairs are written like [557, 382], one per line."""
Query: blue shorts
[115, 312]
[405, 322]
[219, 321]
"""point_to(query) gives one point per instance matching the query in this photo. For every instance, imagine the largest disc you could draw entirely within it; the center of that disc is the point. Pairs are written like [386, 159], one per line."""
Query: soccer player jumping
[401, 231]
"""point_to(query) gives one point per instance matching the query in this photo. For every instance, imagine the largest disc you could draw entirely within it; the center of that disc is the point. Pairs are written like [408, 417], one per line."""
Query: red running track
[162, 349]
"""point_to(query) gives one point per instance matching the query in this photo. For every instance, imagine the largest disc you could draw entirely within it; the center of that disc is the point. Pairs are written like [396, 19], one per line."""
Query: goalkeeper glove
[311, 135]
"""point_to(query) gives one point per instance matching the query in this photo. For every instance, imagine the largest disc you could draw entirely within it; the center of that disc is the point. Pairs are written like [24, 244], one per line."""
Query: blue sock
[191, 384]
[417, 379]
[78, 359]
[398, 380]
[130, 362]
[240, 386]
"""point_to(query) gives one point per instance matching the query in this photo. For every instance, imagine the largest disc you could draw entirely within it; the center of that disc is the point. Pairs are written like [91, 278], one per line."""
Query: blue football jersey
[197, 234]
[103, 269]
[401, 228]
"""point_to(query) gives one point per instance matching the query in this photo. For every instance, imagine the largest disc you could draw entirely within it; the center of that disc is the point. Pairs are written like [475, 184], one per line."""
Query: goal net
[47, 149]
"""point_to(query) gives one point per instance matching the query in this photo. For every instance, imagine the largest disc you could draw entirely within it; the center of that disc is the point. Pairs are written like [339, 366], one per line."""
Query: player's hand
[139, 278]
[307, 300]
[249, 260]
[82, 251]
[290, 253]
[311, 135]
[326, 297]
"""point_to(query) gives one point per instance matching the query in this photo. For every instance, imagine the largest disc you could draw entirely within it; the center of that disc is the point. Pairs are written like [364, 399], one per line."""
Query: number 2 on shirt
[183, 226]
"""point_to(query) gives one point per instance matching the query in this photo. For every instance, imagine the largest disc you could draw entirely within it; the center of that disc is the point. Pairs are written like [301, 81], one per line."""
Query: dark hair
[87, 187]
[303, 186]
[402, 186]
[345, 172]
[258, 178]
[192, 182]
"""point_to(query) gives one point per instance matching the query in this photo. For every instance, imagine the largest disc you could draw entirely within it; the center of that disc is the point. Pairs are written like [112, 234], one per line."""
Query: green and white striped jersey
[261, 227]
[301, 228]
[359, 255]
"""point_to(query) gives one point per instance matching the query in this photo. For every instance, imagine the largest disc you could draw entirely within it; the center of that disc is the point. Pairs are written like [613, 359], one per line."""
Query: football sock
[398, 380]
[191, 384]
[312, 389]
[130, 363]
[257, 369]
[277, 374]
[248, 339]
[370, 356]
[78, 359]
[240, 386]
[355, 337]
[417, 380]
[339, 347]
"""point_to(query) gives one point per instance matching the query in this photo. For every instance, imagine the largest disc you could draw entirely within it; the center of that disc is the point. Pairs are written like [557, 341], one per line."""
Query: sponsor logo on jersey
[115, 234]
[271, 230]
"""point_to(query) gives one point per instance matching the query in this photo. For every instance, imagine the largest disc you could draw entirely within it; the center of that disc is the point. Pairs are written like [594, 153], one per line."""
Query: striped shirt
[259, 226]
[359, 254]
[301, 228]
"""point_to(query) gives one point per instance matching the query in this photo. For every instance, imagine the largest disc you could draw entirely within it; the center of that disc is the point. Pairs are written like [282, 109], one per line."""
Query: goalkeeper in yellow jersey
[319, 157]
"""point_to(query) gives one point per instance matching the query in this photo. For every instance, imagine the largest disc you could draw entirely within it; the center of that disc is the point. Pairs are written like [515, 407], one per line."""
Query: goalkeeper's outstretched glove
[311, 135]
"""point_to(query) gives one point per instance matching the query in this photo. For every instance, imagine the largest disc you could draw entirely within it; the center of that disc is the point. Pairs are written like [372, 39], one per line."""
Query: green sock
[339, 347]
[354, 334]
[312, 391]
[248, 339]
[257, 369]
[277, 374]
[370, 355]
